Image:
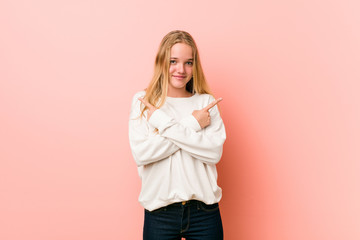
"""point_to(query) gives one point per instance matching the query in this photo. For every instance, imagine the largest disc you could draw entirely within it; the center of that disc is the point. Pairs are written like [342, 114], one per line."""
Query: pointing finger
[213, 104]
[146, 103]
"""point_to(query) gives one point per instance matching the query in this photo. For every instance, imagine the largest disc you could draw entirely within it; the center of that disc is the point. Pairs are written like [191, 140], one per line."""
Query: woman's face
[181, 67]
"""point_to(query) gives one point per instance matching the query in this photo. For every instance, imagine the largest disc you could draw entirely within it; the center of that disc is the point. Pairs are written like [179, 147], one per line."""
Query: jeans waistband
[189, 203]
[183, 203]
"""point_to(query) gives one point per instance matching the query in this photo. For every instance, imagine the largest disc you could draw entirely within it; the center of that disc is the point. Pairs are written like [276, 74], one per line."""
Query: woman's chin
[178, 83]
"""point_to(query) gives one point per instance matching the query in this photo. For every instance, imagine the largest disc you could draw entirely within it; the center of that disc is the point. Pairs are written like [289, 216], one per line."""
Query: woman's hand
[150, 107]
[203, 115]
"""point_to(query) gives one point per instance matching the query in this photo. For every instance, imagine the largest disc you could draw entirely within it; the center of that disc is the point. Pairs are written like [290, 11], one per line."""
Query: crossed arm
[204, 144]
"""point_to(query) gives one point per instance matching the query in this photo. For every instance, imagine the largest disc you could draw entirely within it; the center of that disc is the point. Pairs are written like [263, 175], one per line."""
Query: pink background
[289, 75]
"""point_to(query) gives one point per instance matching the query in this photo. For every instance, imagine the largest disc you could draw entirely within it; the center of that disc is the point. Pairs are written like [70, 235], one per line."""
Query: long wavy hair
[156, 92]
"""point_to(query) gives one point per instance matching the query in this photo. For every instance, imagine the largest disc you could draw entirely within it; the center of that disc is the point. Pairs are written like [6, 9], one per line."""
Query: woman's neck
[178, 93]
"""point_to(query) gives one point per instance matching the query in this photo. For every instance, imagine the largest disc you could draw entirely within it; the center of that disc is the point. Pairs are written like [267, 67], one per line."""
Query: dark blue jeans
[193, 220]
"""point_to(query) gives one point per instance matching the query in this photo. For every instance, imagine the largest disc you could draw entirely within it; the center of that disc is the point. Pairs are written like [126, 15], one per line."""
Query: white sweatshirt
[177, 163]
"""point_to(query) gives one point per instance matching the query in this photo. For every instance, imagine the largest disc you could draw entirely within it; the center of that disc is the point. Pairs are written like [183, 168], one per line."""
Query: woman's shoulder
[206, 96]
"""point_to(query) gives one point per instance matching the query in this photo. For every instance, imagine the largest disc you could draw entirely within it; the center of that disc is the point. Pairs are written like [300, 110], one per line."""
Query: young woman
[176, 137]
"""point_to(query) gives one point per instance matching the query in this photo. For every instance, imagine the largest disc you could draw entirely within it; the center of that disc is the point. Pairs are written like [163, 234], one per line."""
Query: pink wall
[289, 75]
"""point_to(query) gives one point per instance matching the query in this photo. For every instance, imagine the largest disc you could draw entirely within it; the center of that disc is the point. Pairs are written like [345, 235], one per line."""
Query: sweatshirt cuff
[191, 122]
[159, 119]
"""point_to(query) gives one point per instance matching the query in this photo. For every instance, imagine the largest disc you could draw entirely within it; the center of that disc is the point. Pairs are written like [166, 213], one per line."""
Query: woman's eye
[172, 61]
[189, 63]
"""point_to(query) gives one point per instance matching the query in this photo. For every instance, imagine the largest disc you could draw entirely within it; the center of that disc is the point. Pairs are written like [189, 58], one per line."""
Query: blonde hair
[156, 92]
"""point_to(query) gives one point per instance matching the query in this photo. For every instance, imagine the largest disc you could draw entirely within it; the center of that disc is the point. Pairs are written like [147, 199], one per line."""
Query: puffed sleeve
[147, 146]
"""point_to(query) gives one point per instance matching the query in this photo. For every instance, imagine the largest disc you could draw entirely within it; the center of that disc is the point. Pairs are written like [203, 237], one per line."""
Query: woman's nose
[180, 68]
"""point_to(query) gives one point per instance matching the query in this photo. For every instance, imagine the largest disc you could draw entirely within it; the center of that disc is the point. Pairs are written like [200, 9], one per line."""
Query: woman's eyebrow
[191, 59]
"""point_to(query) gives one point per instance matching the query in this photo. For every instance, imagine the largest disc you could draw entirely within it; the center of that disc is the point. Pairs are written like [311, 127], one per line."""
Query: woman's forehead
[181, 50]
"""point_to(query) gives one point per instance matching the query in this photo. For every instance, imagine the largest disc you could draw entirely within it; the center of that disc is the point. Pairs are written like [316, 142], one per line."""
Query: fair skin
[180, 72]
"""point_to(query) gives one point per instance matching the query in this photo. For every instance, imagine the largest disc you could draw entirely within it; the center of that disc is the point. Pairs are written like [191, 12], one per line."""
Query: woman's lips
[179, 77]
